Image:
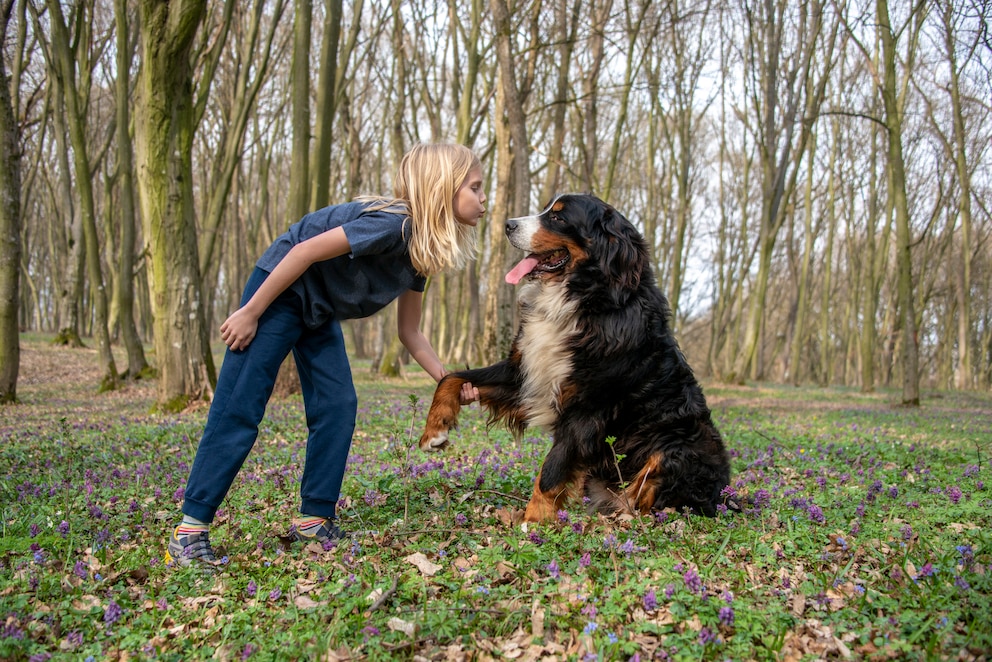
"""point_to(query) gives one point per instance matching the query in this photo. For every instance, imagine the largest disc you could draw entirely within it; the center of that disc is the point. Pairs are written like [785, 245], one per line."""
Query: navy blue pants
[244, 386]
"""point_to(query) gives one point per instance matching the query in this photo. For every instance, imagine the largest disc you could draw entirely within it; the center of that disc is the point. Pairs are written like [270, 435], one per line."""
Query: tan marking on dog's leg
[443, 413]
[640, 493]
[544, 506]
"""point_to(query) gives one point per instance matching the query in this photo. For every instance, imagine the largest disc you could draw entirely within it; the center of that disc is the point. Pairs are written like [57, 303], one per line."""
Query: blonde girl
[341, 262]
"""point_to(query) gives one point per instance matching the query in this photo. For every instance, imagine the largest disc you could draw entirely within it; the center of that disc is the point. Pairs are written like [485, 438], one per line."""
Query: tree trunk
[10, 229]
[164, 120]
[904, 239]
[136, 361]
[327, 96]
[65, 63]
[299, 173]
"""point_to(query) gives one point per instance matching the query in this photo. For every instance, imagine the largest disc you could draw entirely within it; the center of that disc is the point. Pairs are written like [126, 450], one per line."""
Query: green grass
[867, 534]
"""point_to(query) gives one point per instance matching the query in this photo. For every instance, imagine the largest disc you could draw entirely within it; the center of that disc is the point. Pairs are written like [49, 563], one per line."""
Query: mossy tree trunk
[164, 127]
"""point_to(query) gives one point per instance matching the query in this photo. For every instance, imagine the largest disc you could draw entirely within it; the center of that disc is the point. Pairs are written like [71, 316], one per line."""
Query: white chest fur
[547, 326]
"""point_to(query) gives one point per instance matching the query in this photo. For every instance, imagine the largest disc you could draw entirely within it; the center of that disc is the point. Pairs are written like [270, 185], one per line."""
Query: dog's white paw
[437, 442]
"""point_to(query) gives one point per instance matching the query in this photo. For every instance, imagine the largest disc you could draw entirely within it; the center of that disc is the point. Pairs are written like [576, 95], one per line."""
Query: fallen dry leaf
[424, 564]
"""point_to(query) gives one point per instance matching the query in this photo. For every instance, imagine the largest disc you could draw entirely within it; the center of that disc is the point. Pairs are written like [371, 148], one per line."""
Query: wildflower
[650, 600]
[248, 651]
[80, 570]
[609, 541]
[612, 638]
[954, 494]
[590, 611]
[275, 593]
[961, 583]
[252, 588]
[669, 591]
[762, 498]
[74, 639]
[460, 519]
[34, 530]
[815, 514]
[907, 532]
[534, 538]
[926, 571]
[585, 560]
[63, 529]
[590, 627]
[162, 604]
[693, 581]
[553, 569]
[562, 516]
[706, 636]
[627, 547]
[112, 613]
[727, 616]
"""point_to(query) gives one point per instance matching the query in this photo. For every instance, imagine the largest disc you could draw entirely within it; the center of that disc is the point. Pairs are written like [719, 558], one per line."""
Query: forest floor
[867, 535]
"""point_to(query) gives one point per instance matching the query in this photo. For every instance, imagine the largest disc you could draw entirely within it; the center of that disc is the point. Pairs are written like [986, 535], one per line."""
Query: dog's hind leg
[642, 490]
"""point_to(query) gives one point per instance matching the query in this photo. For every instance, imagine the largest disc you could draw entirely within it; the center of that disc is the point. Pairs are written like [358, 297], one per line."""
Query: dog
[595, 362]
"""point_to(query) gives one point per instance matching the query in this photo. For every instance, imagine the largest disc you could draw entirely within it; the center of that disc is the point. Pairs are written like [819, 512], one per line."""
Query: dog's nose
[511, 226]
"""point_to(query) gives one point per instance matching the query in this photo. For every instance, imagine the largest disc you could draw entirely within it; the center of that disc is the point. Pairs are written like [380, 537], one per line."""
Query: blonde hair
[425, 185]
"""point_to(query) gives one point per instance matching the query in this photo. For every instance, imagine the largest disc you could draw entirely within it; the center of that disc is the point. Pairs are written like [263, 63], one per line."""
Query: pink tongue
[525, 266]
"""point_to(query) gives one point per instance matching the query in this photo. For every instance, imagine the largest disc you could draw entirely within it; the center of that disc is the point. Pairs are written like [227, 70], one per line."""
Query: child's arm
[239, 329]
[408, 309]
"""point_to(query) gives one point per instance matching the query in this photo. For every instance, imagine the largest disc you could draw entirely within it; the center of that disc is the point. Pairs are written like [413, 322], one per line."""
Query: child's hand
[469, 393]
[239, 329]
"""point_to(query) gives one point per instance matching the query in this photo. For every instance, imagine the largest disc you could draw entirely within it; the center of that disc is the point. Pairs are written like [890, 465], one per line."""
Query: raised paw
[435, 442]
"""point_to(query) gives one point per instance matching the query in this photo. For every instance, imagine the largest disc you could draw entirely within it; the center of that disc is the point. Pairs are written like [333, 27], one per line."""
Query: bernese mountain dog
[595, 362]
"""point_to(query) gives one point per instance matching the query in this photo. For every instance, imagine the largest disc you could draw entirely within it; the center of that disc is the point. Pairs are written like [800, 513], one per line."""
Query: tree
[788, 91]
[164, 123]
[893, 100]
[10, 227]
[136, 361]
[67, 60]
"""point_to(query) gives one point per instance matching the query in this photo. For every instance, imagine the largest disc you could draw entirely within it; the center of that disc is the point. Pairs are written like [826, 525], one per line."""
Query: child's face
[470, 200]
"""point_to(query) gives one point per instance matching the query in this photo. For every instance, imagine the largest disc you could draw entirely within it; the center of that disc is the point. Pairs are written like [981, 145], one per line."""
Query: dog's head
[584, 241]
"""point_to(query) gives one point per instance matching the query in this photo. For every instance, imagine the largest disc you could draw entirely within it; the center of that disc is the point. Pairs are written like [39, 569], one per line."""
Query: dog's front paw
[434, 442]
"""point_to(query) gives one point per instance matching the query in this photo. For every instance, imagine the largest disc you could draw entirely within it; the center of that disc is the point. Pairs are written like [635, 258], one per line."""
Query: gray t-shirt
[376, 272]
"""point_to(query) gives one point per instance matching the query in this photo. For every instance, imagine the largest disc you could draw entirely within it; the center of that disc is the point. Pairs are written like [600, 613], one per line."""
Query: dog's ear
[622, 254]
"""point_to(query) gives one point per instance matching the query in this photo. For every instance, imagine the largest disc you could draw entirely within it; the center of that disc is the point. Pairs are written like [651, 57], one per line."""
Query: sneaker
[188, 546]
[327, 533]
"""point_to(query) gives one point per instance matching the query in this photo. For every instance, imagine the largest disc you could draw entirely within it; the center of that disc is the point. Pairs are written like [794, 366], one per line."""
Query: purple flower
[907, 532]
[706, 636]
[248, 651]
[534, 538]
[727, 616]
[275, 593]
[815, 514]
[34, 530]
[252, 588]
[585, 560]
[693, 581]
[112, 613]
[650, 600]
[926, 571]
[74, 639]
[563, 516]
[954, 493]
[63, 529]
[553, 569]
[460, 519]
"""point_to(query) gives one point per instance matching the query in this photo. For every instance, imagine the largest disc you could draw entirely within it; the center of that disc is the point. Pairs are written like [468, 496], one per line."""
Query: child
[342, 262]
